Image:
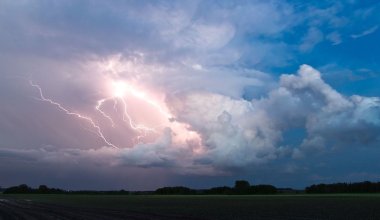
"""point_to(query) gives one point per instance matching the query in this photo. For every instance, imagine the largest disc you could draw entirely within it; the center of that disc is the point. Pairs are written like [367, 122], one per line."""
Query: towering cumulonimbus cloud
[328, 116]
[190, 87]
[237, 132]
[206, 128]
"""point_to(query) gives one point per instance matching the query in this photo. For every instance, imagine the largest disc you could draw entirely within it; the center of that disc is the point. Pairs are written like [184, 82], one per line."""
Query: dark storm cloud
[207, 58]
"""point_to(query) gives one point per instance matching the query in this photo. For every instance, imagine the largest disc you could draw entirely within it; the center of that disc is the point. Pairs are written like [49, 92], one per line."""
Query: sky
[138, 95]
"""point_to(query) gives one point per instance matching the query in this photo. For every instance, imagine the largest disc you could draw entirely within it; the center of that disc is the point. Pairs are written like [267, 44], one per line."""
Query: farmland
[337, 206]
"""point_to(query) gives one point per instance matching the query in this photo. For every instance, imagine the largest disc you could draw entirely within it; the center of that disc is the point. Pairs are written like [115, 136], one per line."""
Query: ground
[363, 206]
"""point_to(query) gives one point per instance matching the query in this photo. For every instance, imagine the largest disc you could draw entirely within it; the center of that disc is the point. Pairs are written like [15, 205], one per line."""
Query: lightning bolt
[144, 97]
[128, 119]
[98, 108]
[121, 89]
[141, 129]
[117, 98]
[68, 112]
[115, 104]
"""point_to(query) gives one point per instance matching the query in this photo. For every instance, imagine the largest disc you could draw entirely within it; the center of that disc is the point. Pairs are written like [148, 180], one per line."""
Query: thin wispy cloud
[366, 32]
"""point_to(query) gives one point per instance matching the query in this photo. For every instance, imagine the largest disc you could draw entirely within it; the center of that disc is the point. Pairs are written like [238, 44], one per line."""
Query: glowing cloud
[119, 89]
[146, 116]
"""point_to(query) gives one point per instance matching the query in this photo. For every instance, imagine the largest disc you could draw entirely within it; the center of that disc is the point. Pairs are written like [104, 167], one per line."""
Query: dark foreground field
[189, 207]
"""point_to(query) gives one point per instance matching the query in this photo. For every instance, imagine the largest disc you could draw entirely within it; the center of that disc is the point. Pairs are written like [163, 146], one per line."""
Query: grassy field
[358, 206]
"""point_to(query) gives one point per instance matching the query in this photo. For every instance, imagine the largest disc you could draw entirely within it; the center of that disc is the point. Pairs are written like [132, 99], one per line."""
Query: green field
[358, 206]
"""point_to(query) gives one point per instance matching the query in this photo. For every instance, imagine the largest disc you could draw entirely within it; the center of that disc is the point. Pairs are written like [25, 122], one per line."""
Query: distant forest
[241, 187]
[361, 187]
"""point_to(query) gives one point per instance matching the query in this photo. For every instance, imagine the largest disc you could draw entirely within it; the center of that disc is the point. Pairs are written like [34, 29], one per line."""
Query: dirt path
[29, 210]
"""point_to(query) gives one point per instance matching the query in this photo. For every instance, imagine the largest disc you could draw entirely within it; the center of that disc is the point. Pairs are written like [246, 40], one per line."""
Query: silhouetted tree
[21, 189]
[43, 189]
[241, 187]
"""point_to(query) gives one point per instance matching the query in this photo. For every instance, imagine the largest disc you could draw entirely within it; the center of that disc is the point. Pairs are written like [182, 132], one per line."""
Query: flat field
[358, 206]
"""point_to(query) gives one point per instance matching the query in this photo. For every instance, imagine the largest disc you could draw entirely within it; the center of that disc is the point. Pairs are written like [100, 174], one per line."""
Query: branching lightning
[88, 119]
[120, 90]
[98, 108]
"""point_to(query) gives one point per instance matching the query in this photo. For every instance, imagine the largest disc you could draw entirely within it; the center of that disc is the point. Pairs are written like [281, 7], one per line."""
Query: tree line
[241, 187]
[43, 189]
[360, 187]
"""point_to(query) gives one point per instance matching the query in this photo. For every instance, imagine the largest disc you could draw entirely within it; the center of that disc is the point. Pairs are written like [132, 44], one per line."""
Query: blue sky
[108, 95]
